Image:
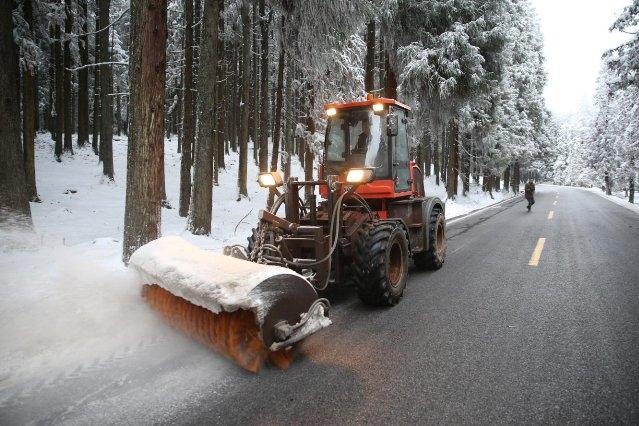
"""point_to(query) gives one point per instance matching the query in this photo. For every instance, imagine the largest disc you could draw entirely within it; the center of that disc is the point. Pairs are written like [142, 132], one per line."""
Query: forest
[601, 145]
[248, 79]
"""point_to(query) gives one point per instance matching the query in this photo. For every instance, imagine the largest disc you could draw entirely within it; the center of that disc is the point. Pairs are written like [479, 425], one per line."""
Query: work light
[331, 112]
[378, 107]
[269, 180]
[363, 175]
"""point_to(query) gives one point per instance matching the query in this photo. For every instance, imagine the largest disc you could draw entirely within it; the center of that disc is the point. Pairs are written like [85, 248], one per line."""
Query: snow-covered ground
[65, 296]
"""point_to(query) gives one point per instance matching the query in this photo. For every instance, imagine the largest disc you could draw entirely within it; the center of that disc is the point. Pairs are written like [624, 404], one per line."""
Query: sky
[575, 36]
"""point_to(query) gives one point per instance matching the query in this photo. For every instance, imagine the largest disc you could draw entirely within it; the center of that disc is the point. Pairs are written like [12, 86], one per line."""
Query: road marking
[554, 203]
[534, 259]
[551, 214]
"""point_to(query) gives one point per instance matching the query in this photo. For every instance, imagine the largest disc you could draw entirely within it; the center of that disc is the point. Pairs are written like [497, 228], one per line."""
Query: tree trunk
[68, 79]
[51, 81]
[178, 112]
[428, 149]
[83, 80]
[444, 154]
[246, 65]
[507, 179]
[390, 85]
[309, 158]
[277, 125]
[608, 183]
[279, 100]
[369, 78]
[254, 99]
[142, 215]
[453, 159]
[221, 106]
[14, 197]
[235, 98]
[29, 111]
[188, 134]
[59, 92]
[515, 178]
[381, 60]
[118, 111]
[106, 101]
[201, 203]
[288, 122]
[465, 164]
[95, 140]
[264, 74]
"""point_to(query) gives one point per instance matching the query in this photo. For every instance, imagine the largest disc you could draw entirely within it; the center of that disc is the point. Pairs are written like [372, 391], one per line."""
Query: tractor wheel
[433, 258]
[381, 263]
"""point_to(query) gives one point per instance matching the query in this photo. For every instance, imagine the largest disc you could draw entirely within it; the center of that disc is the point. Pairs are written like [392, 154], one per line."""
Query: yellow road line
[551, 214]
[554, 203]
[534, 259]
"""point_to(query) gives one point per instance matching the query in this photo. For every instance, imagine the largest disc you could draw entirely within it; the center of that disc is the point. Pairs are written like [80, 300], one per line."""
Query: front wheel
[381, 263]
[433, 258]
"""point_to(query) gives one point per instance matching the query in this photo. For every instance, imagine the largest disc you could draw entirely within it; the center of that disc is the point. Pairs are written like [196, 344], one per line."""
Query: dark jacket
[529, 189]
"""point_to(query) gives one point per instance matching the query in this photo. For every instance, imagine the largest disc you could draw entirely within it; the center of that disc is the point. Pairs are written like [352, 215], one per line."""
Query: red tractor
[373, 215]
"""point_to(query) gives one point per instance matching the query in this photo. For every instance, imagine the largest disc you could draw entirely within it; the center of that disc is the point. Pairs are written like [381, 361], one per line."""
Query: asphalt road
[486, 339]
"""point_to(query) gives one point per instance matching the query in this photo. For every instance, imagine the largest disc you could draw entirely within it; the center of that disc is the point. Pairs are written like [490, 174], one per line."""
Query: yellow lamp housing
[270, 180]
[360, 175]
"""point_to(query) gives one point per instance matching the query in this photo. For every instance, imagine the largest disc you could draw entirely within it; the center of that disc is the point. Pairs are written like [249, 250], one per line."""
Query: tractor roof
[367, 102]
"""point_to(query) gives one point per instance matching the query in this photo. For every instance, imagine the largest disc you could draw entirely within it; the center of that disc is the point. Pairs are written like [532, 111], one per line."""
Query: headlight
[269, 180]
[331, 112]
[378, 107]
[360, 175]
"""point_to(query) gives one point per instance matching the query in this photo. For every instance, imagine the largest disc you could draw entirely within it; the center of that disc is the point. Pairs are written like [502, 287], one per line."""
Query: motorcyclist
[529, 193]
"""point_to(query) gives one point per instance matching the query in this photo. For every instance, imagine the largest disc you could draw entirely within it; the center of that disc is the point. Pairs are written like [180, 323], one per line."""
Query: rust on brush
[233, 334]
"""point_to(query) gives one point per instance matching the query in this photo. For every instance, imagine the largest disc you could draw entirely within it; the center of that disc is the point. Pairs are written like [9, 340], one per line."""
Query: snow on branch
[98, 64]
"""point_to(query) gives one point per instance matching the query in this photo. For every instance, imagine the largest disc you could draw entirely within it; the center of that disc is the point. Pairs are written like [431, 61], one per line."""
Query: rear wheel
[381, 263]
[433, 258]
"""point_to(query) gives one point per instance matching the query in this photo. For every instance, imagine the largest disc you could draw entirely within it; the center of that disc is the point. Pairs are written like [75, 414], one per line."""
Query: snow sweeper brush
[250, 313]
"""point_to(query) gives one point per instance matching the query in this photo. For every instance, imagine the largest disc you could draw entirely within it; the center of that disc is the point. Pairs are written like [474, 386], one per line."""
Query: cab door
[401, 158]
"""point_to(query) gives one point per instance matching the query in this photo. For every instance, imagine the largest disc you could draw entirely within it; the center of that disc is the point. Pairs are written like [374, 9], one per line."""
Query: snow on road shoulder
[617, 198]
[461, 205]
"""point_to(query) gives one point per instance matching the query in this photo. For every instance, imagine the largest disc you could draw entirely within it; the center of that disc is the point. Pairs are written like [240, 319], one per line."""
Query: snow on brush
[214, 281]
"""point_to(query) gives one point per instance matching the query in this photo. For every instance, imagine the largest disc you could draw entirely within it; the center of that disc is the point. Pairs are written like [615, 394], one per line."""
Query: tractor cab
[369, 135]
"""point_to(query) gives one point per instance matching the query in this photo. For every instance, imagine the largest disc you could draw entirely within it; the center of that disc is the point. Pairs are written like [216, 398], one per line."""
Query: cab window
[401, 172]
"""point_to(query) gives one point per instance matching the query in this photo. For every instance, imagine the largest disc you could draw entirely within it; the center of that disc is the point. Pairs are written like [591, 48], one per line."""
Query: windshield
[356, 138]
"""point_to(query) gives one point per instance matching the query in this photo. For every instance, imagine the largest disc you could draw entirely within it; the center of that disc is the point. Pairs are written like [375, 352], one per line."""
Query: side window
[401, 172]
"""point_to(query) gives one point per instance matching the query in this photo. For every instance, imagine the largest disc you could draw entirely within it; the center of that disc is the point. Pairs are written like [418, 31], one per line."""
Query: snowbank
[463, 204]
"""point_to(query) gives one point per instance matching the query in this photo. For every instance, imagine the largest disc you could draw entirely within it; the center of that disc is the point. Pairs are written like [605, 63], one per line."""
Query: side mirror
[392, 125]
